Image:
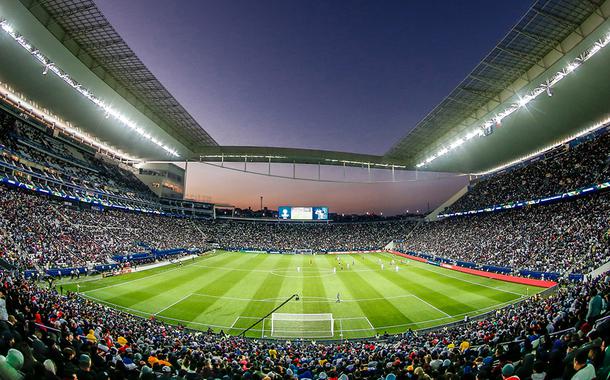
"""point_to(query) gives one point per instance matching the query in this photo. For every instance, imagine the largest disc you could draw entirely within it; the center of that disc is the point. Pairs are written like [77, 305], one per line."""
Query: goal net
[302, 325]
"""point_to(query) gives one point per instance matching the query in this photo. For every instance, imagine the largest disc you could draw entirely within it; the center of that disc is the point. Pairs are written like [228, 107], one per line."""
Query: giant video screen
[303, 213]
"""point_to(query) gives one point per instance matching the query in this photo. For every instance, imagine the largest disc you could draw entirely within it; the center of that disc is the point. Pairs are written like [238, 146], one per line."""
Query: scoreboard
[303, 213]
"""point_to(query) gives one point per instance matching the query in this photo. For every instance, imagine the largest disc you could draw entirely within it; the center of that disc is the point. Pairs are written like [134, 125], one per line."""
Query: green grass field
[230, 291]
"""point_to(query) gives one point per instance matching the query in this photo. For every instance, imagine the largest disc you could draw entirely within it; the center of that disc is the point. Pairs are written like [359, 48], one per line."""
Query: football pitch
[230, 291]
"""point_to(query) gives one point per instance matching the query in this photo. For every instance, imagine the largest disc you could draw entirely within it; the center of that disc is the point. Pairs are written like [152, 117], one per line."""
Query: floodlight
[7, 27]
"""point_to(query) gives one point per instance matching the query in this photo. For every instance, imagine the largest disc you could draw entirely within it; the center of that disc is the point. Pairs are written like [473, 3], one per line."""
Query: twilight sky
[338, 75]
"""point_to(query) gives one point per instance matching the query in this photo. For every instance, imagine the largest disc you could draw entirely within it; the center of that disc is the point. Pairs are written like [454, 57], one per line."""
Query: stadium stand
[562, 237]
[33, 150]
[48, 335]
[565, 168]
[39, 232]
[339, 237]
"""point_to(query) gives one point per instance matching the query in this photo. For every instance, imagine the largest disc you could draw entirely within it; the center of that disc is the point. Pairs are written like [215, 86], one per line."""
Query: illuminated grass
[229, 291]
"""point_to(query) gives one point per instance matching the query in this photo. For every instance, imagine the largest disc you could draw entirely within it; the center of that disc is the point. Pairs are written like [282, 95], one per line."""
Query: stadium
[113, 267]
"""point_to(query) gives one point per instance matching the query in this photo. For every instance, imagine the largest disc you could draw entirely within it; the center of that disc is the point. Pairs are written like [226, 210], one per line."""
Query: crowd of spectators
[40, 232]
[306, 236]
[37, 232]
[562, 237]
[564, 169]
[47, 335]
[57, 158]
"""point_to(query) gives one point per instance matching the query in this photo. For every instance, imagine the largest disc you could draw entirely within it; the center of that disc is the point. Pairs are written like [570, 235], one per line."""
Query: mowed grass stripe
[347, 311]
[379, 312]
[239, 289]
[154, 294]
[214, 310]
[269, 288]
[312, 287]
[425, 301]
[91, 285]
[469, 278]
[479, 295]
[432, 289]
[235, 284]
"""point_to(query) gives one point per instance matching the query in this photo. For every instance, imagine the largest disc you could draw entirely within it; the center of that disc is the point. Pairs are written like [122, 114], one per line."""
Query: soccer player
[396, 268]
[338, 298]
[381, 266]
[299, 269]
[335, 270]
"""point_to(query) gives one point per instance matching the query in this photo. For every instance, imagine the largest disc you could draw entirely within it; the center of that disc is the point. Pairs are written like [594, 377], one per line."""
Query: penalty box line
[432, 306]
[173, 304]
[387, 254]
[339, 320]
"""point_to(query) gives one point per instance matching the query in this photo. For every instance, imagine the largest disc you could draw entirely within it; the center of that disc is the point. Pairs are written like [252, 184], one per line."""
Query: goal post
[284, 325]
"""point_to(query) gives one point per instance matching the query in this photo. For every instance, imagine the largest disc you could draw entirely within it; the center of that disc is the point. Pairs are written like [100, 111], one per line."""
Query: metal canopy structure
[278, 155]
[539, 32]
[85, 31]
[77, 36]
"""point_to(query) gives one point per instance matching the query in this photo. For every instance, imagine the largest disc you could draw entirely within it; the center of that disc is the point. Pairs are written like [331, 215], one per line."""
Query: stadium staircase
[199, 229]
[391, 245]
[598, 271]
[454, 198]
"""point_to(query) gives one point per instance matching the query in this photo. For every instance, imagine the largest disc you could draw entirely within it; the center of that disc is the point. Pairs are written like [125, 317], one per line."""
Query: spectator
[584, 370]
[11, 364]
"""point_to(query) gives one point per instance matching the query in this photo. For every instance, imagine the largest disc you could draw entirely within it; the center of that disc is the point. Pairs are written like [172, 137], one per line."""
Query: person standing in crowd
[595, 307]
[3, 312]
[584, 370]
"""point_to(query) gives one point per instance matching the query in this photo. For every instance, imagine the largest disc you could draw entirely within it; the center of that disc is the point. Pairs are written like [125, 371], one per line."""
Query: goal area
[285, 325]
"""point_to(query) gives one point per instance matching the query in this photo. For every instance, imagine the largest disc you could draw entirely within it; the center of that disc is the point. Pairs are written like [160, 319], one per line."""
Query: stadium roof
[83, 29]
[539, 32]
[552, 34]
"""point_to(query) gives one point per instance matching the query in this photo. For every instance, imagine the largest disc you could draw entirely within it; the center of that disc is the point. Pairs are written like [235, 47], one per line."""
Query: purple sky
[339, 75]
[244, 190]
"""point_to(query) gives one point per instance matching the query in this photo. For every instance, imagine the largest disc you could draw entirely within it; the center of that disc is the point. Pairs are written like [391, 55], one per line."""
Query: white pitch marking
[234, 322]
[464, 280]
[370, 324]
[173, 304]
[130, 281]
[432, 306]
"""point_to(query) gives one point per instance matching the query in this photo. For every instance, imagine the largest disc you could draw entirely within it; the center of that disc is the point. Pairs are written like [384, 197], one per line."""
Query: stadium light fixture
[523, 100]
[7, 27]
[50, 66]
[549, 91]
[603, 123]
[67, 128]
